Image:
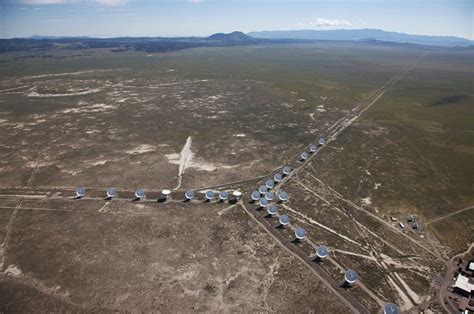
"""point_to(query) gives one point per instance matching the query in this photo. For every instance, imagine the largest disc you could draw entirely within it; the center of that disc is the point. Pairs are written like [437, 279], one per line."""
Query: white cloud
[41, 2]
[325, 23]
[111, 3]
[106, 3]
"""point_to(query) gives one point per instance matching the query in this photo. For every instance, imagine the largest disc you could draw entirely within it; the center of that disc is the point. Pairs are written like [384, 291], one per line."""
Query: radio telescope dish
[80, 192]
[255, 195]
[321, 251]
[263, 202]
[111, 193]
[272, 209]
[284, 220]
[189, 195]
[350, 277]
[140, 193]
[300, 233]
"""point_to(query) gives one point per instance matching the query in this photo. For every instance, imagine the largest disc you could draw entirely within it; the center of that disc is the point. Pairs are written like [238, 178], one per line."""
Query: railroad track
[295, 250]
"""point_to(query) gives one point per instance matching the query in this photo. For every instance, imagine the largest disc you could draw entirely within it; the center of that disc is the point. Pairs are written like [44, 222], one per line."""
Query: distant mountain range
[56, 37]
[120, 44]
[364, 34]
[232, 37]
[166, 44]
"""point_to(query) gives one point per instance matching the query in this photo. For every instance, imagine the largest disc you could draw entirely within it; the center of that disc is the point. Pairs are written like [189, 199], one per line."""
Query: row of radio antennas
[312, 149]
[165, 194]
[264, 196]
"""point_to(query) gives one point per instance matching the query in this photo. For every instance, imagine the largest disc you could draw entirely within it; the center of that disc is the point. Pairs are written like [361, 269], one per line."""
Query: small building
[463, 286]
[393, 219]
[463, 304]
[402, 225]
[471, 266]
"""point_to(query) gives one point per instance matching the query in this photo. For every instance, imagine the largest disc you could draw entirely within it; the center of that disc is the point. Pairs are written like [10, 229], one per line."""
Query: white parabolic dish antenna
[300, 233]
[350, 277]
[189, 195]
[321, 251]
[80, 192]
[255, 195]
[391, 308]
[284, 220]
[111, 192]
[140, 193]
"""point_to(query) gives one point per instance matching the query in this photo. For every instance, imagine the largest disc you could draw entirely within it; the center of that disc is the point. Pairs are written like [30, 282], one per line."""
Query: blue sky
[106, 18]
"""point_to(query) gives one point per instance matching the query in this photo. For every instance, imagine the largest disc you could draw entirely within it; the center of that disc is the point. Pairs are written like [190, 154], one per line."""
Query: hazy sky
[105, 18]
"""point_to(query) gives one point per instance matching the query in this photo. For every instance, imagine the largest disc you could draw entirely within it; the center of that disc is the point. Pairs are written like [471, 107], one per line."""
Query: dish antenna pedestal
[80, 192]
[269, 184]
[165, 195]
[188, 196]
[300, 234]
[255, 196]
[111, 193]
[272, 210]
[223, 195]
[283, 220]
[321, 252]
[304, 156]
[209, 196]
[282, 196]
[236, 195]
[139, 194]
[278, 177]
[350, 278]
[391, 308]
[269, 196]
[263, 202]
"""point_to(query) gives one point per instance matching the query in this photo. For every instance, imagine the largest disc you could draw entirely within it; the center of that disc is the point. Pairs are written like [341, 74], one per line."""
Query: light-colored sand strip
[226, 209]
[314, 222]
[43, 209]
[102, 209]
[12, 89]
[26, 196]
[141, 149]
[407, 303]
[380, 238]
[186, 156]
[355, 254]
[89, 108]
[312, 192]
[8, 234]
[390, 261]
[178, 83]
[415, 297]
[13, 270]
[450, 214]
[33, 93]
[66, 73]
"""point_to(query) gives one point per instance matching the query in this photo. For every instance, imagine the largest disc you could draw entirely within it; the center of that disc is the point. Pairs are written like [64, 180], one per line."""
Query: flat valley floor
[398, 122]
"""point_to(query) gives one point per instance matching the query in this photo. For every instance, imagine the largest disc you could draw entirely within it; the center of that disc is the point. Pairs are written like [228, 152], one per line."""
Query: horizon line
[246, 33]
